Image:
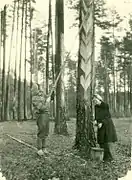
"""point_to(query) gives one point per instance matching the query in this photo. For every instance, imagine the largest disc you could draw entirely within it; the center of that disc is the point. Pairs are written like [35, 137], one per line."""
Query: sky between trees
[123, 7]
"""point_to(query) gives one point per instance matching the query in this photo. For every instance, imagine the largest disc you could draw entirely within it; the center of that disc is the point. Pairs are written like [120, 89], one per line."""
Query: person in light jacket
[106, 132]
[41, 104]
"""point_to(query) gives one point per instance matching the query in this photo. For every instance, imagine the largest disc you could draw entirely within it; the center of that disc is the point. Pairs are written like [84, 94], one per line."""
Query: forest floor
[19, 162]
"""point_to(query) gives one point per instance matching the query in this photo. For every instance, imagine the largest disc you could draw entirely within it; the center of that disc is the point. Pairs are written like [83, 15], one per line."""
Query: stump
[97, 153]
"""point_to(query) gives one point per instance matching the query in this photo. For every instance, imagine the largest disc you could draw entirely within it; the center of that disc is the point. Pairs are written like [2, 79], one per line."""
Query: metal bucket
[97, 153]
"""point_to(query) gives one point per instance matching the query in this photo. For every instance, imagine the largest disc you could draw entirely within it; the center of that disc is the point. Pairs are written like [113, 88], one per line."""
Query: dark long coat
[107, 132]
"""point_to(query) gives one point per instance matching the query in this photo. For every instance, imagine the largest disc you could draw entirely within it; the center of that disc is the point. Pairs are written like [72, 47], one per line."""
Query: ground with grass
[19, 162]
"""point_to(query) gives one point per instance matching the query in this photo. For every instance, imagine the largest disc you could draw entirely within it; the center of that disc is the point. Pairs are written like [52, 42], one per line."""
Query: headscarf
[98, 97]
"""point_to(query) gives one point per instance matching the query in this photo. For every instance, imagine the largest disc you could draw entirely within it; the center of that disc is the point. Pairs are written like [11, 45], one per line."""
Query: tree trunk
[31, 64]
[106, 83]
[54, 93]
[131, 92]
[124, 91]
[25, 66]
[114, 75]
[47, 49]
[60, 121]
[84, 129]
[129, 84]
[7, 110]
[20, 65]
[4, 58]
[118, 99]
[53, 70]
[1, 35]
[0, 45]
[15, 116]
[35, 51]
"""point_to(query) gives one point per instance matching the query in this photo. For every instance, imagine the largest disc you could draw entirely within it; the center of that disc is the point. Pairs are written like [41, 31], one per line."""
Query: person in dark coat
[106, 132]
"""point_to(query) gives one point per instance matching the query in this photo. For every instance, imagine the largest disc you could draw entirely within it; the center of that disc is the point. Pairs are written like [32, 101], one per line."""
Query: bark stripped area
[84, 129]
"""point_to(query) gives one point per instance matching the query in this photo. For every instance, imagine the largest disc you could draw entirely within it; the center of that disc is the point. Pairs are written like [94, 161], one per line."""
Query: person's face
[96, 101]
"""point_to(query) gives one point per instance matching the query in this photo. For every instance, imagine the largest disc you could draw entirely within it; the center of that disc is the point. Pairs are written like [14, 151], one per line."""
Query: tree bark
[25, 66]
[60, 121]
[35, 52]
[84, 129]
[114, 74]
[106, 83]
[31, 63]
[20, 68]
[15, 115]
[7, 108]
[47, 49]
[4, 58]
[1, 36]
[131, 92]
[53, 70]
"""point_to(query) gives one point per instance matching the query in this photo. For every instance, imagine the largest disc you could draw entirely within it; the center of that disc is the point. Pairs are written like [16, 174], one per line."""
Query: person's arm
[95, 116]
[106, 113]
[95, 113]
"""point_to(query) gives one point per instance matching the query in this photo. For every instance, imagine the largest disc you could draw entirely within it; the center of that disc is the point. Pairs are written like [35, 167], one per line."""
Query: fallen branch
[22, 142]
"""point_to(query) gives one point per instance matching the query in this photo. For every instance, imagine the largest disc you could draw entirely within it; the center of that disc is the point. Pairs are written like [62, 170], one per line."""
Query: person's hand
[99, 125]
[95, 123]
[48, 100]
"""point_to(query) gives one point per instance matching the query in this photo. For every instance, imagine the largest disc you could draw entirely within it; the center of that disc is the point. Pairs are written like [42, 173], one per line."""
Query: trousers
[41, 142]
[43, 130]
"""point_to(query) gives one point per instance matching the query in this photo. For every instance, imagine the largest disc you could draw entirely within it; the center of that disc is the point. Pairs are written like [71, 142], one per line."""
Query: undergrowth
[18, 162]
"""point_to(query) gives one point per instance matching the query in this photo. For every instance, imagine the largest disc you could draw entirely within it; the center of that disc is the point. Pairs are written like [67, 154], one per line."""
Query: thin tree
[7, 104]
[25, 65]
[47, 49]
[15, 69]
[20, 65]
[53, 66]
[4, 58]
[35, 54]
[60, 121]
[31, 63]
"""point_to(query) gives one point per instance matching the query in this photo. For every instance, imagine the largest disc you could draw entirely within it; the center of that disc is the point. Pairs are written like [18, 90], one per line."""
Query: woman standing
[106, 130]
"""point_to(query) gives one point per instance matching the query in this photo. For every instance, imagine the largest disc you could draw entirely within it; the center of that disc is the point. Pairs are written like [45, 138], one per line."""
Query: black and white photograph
[65, 89]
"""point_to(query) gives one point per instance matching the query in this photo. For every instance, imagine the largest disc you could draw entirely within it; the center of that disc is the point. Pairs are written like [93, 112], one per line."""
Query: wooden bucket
[97, 153]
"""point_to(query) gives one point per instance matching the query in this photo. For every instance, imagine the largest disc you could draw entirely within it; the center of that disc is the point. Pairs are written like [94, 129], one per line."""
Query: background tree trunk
[15, 115]
[25, 66]
[8, 84]
[20, 66]
[53, 63]
[31, 61]
[60, 121]
[4, 58]
[47, 49]
[1, 36]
